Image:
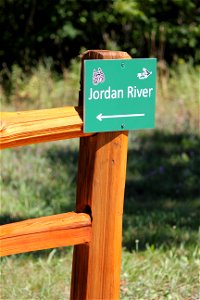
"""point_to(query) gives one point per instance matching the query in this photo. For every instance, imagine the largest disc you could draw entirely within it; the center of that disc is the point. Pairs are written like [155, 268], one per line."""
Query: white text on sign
[131, 92]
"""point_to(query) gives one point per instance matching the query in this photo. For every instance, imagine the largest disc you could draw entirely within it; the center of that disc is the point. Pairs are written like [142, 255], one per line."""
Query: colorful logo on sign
[98, 76]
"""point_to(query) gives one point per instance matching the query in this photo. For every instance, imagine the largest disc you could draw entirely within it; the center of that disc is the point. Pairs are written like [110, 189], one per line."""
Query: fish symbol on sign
[145, 74]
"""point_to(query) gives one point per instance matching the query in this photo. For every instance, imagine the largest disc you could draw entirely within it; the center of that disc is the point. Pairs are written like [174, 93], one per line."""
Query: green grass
[162, 197]
[41, 277]
[40, 88]
[150, 274]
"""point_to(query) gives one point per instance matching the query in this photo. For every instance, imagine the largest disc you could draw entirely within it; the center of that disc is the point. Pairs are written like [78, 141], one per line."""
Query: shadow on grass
[64, 178]
[162, 189]
[6, 218]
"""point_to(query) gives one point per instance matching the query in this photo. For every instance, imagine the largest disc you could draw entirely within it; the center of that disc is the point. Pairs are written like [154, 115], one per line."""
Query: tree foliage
[31, 29]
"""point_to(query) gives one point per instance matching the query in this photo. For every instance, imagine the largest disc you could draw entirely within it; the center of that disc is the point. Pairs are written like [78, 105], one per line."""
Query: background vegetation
[162, 198]
[58, 29]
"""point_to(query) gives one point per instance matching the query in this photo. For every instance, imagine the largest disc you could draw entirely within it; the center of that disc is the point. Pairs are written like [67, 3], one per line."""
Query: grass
[44, 277]
[150, 274]
[160, 274]
[162, 198]
[40, 88]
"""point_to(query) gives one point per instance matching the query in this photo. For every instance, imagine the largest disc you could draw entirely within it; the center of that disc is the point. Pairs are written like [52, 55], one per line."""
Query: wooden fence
[96, 227]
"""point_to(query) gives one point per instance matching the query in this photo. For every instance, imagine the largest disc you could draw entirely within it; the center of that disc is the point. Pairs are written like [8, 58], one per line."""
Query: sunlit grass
[40, 88]
[155, 274]
[43, 277]
[151, 274]
[178, 98]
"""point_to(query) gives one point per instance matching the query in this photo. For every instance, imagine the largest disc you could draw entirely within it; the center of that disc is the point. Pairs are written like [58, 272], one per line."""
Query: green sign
[119, 94]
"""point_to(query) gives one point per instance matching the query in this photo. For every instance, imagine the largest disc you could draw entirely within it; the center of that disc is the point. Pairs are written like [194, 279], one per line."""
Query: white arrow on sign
[100, 116]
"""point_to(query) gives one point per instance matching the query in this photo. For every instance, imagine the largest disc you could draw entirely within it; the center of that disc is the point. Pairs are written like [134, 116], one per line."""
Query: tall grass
[162, 199]
[178, 98]
[40, 87]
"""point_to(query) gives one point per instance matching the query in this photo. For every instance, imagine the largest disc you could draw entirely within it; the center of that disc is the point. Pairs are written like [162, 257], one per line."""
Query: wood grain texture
[100, 188]
[36, 126]
[45, 232]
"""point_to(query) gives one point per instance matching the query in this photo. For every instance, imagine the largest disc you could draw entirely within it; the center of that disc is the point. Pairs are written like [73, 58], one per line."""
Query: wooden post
[100, 192]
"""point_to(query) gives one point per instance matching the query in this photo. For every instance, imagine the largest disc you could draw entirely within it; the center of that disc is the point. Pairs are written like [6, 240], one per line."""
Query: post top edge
[105, 54]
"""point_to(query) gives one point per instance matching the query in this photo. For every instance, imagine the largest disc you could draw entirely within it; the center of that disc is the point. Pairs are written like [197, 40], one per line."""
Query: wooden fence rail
[37, 126]
[44, 233]
[96, 227]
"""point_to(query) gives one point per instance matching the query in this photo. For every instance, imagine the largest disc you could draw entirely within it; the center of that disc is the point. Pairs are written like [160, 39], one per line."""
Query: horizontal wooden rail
[36, 126]
[44, 233]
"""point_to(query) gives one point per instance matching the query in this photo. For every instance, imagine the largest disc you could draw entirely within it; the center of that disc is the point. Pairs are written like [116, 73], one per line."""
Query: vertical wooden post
[100, 191]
